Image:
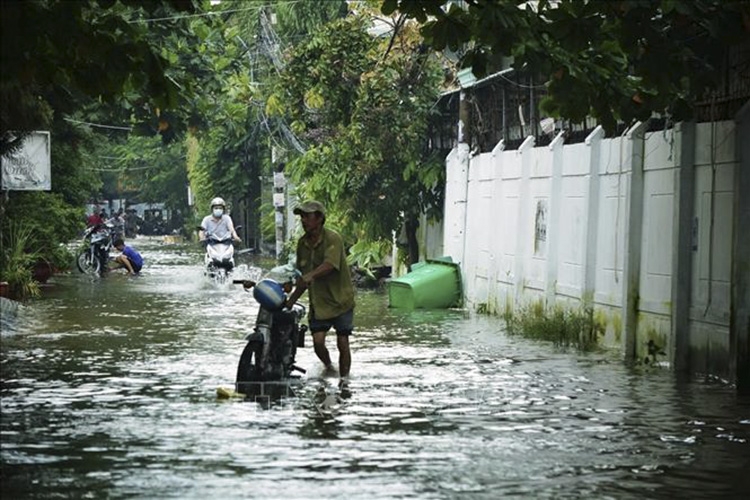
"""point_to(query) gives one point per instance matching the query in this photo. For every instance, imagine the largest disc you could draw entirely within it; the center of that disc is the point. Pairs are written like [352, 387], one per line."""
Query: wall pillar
[553, 226]
[739, 323]
[682, 254]
[525, 225]
[457, 189]
[633, 240]
[594, 142]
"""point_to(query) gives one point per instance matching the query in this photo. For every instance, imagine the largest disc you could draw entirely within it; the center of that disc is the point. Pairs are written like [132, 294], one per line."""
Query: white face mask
[218, 212]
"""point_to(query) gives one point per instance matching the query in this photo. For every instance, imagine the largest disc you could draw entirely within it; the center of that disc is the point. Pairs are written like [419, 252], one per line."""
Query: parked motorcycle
[268, 359]
[94, 259]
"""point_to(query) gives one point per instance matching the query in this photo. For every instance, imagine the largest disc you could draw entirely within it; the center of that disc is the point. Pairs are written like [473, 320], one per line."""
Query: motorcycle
[99, 239]
[267, 363]
[219, 257]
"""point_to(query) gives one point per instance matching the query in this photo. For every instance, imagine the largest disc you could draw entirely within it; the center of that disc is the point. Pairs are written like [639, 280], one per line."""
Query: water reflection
[108, 390]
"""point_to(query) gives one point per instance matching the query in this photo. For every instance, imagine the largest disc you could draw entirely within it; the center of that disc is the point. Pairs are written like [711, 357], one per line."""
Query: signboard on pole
[29, 168]
[279, 182]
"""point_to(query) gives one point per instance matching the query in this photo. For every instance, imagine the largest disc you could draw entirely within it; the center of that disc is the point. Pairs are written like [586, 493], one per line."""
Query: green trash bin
[433, 284]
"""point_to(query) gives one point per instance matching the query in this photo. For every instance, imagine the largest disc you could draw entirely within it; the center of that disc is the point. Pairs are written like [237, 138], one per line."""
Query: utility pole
[279, 203]
[466, 80]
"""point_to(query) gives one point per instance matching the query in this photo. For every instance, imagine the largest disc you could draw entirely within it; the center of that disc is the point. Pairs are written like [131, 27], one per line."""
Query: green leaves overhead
[59, 55]
[365, 114]
[614, 60]
[319, 83]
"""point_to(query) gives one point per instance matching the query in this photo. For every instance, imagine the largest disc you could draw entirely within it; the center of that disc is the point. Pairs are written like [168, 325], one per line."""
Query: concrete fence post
[553, 228]
[739, 323]
[633, 239]
[594, 143]
[524, 227]
[682, 264]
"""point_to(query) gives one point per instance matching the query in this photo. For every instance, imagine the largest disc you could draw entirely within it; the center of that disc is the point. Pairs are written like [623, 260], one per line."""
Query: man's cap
[309, 207]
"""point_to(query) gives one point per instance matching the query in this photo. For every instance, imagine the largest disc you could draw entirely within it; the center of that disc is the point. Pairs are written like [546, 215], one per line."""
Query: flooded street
[109, 391]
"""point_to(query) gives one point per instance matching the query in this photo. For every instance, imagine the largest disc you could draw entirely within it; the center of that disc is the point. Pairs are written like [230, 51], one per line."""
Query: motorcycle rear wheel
[87, 263]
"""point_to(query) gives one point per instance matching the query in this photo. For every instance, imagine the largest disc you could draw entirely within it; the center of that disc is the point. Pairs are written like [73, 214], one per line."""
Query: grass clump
[563, 327]
[16, 261]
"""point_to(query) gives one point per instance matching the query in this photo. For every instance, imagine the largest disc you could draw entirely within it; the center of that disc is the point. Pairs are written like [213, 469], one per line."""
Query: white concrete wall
[596, 220]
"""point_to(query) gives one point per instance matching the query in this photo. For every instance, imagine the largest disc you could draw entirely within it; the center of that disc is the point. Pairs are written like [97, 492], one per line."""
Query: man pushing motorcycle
[321, 258]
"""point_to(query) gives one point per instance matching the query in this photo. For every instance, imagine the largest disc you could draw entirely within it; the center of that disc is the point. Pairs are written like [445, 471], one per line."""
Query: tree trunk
[411, 226]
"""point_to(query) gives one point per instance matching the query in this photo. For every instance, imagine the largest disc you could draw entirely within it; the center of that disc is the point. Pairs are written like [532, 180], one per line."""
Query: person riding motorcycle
[218, 225]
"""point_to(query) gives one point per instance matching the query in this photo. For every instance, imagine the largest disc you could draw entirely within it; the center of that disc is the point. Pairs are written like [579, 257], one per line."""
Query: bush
[33, 227]
[16, 262]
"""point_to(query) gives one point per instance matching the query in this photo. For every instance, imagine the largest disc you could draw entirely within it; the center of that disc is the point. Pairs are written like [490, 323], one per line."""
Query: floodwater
[109, 391]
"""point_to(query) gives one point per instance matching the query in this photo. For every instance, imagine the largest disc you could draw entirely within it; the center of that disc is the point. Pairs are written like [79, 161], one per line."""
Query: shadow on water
[108, 390]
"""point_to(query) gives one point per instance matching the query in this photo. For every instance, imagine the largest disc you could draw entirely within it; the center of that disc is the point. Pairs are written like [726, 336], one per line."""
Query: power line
[119, 170]
[99, 125]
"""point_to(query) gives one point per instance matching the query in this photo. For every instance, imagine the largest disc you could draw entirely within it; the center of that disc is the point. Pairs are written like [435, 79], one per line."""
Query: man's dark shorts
[343, 324]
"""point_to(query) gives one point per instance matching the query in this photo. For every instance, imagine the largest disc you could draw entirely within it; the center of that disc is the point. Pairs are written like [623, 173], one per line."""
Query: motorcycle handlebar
[213, 241]
[250, 283]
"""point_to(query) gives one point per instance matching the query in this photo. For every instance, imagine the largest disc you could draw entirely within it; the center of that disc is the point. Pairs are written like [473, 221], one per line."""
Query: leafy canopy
[364, 109]
[58, 55]
[613, 60]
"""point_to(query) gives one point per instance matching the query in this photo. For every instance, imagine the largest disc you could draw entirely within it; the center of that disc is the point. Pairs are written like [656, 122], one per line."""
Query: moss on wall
[564, 326]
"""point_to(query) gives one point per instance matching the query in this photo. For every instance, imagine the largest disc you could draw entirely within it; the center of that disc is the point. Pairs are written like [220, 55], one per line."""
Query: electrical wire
[98, 125]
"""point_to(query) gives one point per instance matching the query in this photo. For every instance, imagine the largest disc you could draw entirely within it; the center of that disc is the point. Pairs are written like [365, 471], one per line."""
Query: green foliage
[366, 255]
[148, 169]
[60, 258]
[74, 162]
[16, 259]
[166, 73]
[364, 108]
[198, 173]
[561, 326]
[53, 55]
[46, 215]
[325, 73]
[621, 60]
[295, 21]
[268, 221]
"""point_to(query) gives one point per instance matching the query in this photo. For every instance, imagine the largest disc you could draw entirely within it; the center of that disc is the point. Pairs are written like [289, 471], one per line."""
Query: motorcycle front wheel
[248, 369]
[88, 263]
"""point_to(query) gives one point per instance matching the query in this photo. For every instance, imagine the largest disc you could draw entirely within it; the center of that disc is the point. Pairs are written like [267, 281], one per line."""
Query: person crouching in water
[129, 258]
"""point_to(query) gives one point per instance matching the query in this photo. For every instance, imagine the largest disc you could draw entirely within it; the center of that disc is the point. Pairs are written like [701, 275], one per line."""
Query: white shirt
[221, 229]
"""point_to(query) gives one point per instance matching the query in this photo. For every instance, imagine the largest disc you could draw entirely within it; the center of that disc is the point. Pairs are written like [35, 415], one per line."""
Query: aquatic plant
[565, 327]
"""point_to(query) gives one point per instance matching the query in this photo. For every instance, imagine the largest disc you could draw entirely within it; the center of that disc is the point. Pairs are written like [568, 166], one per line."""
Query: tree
[363, 103]
[233, 152]
[613, 60]
[57, 54]
[59, 58]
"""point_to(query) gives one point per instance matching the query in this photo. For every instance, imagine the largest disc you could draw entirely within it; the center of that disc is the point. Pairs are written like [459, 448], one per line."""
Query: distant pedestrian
[118, 222]
[94, 219]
